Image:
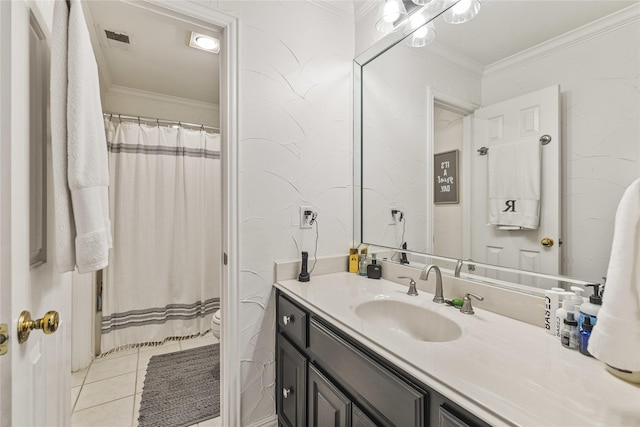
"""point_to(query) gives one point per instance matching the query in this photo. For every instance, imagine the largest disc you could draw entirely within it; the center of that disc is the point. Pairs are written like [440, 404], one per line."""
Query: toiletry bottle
[363, 265]
[551, 304]
[374, 270]
[590, 309]
[578, 300]
[561, 313]
[585, 334]
[570, 337]
[353, 260]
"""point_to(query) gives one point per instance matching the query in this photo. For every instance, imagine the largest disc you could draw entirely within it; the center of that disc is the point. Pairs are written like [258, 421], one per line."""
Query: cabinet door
[291, 385]
[447, 419]
[327, 405]
[359, 419]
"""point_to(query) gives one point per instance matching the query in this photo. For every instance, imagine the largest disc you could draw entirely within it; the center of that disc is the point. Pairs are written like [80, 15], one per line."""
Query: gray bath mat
[181, 388]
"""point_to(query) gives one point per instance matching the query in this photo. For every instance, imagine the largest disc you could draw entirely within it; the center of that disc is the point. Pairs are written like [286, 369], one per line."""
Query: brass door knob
[547, 242]
[48, 324]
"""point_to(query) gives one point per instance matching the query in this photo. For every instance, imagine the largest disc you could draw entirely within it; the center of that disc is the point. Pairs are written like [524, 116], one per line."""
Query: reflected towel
[514, 185]
[615, 339]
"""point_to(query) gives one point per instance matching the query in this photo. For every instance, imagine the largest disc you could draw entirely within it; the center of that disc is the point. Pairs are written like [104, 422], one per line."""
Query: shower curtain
[163, 278]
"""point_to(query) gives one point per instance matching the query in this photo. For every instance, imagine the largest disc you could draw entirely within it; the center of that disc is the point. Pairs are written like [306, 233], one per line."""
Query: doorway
[128, 90]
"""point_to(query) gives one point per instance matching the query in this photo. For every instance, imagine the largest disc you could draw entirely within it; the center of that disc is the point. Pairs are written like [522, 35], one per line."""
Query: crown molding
[612, 22]
[453, 59]
[161, 98]
[332, 6]
[362, 8]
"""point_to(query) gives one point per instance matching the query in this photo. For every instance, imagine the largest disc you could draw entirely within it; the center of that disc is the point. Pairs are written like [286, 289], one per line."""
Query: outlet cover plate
[305, 219]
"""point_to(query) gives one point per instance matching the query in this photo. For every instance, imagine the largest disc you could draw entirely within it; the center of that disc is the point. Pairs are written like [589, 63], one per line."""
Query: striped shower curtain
[163, 278]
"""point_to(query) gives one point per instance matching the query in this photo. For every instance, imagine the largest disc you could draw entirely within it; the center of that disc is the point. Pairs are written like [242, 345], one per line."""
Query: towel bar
[544, 140]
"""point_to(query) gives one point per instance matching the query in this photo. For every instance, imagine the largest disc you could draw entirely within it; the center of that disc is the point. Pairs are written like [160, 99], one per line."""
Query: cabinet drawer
[292, 321]
[393, 401]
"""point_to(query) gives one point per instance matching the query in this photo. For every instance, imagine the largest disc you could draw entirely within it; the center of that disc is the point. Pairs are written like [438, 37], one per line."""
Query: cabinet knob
[286, 392]
[287, 319]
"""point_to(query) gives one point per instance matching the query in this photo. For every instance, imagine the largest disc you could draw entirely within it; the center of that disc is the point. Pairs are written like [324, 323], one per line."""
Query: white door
[518, 119]
[35, 381]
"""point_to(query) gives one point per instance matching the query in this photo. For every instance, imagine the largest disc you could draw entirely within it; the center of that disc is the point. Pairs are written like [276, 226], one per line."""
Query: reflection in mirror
[497, 83]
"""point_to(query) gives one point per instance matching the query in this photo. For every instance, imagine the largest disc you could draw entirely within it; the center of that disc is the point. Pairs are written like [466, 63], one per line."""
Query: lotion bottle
[552, 303]
[561, 313]
[570, 337]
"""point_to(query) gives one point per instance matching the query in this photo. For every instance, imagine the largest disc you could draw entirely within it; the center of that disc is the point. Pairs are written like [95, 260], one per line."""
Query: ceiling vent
[119, 37]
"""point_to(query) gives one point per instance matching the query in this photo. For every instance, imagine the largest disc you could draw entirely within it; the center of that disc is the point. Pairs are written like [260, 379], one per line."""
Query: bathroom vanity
[352, 351]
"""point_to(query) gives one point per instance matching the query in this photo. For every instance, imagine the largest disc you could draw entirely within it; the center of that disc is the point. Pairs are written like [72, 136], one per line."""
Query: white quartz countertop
[504, 371]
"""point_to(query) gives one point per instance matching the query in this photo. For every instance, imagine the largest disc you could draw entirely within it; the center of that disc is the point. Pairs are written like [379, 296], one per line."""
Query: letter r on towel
[511, 206]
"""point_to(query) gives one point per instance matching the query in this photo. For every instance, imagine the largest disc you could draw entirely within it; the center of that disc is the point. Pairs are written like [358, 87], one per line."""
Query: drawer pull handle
[287, 319]
[286, 392]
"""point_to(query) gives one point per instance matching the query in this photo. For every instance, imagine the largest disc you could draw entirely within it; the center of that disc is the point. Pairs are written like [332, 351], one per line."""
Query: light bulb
[461, 7]
[391, 12]
[421, 32]
[206, 42]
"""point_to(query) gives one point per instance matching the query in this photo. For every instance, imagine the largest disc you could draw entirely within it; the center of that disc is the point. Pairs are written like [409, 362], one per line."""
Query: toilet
[215, 324]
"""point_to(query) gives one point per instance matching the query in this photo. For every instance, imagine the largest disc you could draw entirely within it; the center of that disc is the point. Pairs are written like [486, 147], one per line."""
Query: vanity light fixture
[423, 34]
[462, 11]
[390, 14]
[204, 42]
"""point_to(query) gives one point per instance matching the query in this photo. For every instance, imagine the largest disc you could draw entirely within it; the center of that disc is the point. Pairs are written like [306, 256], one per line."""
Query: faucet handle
[412, 286]
[466, 303]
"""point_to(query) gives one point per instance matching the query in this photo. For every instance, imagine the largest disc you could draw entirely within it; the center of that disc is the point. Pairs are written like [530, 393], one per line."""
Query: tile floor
[108, 392]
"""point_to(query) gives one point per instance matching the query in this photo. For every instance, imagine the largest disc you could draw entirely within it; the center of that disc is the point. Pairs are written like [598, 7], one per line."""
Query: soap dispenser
[590, 309]
[374, 270]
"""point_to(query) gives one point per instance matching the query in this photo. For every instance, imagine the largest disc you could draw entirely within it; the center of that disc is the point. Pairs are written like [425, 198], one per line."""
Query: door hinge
[4, 339]
[225, 259]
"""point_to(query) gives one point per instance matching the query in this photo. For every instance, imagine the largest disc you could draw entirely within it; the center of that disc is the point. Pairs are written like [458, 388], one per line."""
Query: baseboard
[272, 421]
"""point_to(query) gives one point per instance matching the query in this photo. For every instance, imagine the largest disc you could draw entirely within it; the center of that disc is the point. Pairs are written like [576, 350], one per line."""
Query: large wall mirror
[530, 107]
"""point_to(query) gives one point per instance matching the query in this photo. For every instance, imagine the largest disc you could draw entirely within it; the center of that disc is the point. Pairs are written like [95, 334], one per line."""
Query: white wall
[395, 126]
[598, 78]
[127, 101]
[295, 149]
[447, 218]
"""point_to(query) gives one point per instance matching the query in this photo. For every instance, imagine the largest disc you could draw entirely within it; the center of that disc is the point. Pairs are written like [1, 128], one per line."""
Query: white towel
[514, 185]
[83, 148]
[615, 339]
[65, 230]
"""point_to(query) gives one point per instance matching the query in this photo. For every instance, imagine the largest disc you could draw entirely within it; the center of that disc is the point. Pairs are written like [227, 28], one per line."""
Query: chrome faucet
[458, 268]
[424, 275]
[466, 303]
[461, 261]
[412, 286]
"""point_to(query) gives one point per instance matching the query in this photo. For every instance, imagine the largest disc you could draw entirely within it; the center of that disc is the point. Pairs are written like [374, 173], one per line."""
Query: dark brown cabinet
[328, 406]
[291, 374]
[324, 378]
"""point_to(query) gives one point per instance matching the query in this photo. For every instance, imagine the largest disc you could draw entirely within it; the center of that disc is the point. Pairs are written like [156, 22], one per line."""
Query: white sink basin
[408, 320]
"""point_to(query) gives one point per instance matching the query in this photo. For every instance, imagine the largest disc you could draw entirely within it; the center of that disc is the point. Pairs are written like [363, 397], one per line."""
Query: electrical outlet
[393, 218]
[305, 220]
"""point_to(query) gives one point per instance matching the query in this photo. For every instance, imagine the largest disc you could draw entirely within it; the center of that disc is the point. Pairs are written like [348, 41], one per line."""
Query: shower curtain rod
[158, 121]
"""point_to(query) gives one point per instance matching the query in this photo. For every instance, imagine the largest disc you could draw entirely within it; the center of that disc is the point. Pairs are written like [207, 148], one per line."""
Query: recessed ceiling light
[204, 42]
